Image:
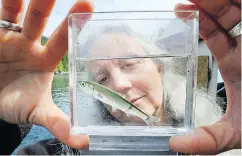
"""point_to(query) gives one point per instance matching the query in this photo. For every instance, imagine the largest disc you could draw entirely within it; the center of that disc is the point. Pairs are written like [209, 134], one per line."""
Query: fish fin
[101, 98]
[99, 95]
[151, 120]
[114, 109]
[127, 113]
[131, 113]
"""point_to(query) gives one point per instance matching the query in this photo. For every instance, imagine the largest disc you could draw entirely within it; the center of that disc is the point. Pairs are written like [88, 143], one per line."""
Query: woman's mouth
[136, 101]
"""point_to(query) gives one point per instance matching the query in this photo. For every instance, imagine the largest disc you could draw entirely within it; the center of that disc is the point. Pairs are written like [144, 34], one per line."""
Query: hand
[216, 18]
[26, 68]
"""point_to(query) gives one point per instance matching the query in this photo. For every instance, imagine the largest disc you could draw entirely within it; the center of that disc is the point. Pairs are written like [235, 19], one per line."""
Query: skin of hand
[216, 18]
[27, 68]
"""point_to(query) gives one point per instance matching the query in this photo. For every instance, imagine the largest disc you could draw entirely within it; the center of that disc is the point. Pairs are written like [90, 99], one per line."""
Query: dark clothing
[45, 147]
[11, 136]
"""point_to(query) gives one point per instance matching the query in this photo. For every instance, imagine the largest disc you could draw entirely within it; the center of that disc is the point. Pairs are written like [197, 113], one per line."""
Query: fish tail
[151, 119]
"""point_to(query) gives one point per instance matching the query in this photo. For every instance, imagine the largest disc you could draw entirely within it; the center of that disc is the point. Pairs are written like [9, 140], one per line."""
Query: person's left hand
[216, 19]
[26, 68]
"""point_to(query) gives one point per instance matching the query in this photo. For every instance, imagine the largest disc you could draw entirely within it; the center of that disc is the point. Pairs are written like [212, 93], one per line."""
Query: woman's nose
[121, 82]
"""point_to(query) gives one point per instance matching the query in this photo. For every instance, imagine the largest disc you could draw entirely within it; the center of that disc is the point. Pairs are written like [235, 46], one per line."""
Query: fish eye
[83, 84]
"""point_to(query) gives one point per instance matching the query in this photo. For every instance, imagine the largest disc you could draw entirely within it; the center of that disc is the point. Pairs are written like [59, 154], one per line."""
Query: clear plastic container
[132, 77]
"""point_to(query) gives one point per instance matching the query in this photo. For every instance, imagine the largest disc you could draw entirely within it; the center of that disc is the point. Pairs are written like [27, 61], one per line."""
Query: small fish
[115, 100]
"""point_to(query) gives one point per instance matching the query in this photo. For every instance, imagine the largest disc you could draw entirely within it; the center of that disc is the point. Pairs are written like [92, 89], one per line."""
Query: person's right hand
[216, 18]
[26, 68]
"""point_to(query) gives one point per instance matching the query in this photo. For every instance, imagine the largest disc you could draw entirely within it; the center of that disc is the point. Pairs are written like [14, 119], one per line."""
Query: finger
[57, 45]
[11, 10]
[183, 14]
[226, 12]
[36, 18]
[206, 140]
[211, 32]
[237, 1]
[58, 124]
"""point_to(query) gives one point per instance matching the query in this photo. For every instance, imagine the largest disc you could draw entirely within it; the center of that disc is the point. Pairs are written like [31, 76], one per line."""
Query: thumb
[201, 142]
[211, 139]
[58, 123]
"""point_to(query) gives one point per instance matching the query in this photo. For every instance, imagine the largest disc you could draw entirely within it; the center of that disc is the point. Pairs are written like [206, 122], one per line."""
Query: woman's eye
[102, 80]
[130, 64]
[127, 65]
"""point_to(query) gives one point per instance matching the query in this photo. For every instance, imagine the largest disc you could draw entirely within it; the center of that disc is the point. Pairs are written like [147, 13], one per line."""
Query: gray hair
[207, 111]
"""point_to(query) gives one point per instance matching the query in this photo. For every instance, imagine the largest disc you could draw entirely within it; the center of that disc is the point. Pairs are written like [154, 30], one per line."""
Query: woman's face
[138, 80]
